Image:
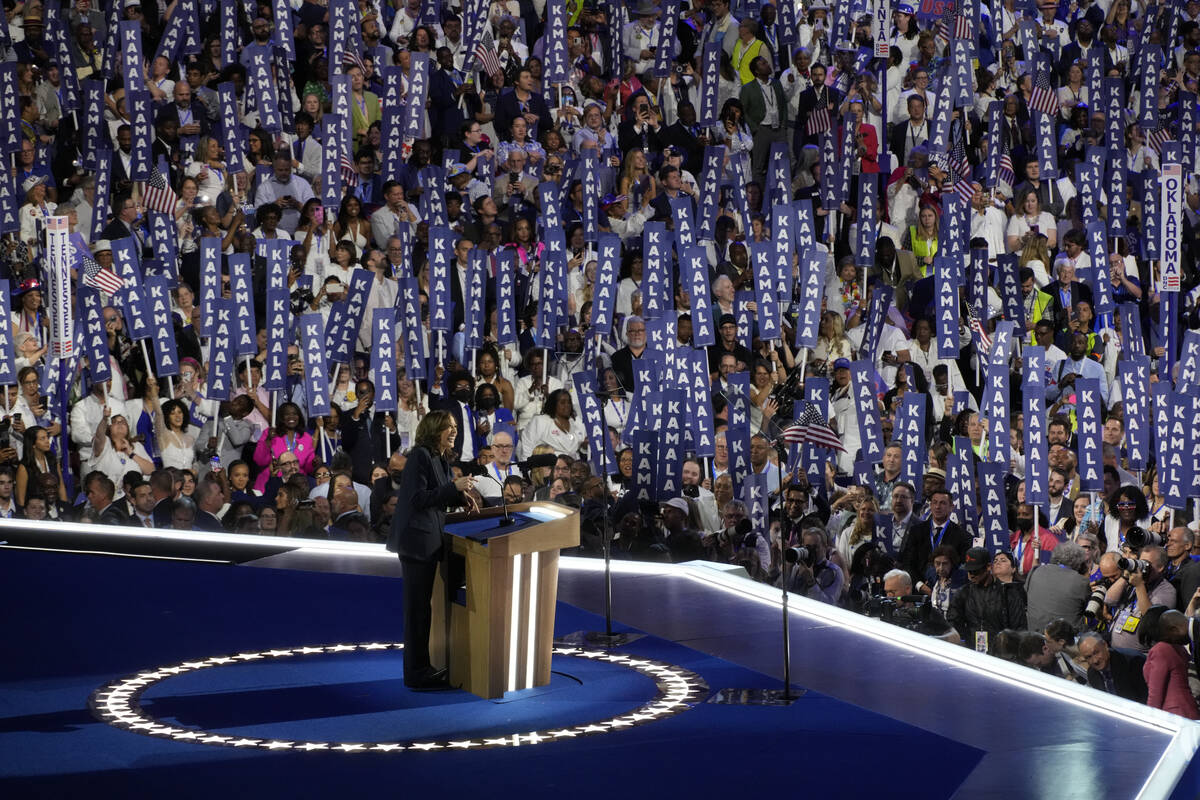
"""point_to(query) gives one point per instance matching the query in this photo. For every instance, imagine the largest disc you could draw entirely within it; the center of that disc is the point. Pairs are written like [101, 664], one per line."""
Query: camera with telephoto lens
[691, 490]
[1095, 603]
[1137, 538]
[798, 555]
[1133, 564]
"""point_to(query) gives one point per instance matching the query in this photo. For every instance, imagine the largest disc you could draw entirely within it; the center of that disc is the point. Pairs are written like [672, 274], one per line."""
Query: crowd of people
[856, 123]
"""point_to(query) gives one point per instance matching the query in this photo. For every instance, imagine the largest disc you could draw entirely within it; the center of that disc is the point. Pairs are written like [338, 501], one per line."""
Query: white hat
[100, 246]
[32, 181]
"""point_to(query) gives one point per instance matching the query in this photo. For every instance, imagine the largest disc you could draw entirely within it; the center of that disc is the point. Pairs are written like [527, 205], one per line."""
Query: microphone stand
[788, 557]
[507, 520]
[608, 638]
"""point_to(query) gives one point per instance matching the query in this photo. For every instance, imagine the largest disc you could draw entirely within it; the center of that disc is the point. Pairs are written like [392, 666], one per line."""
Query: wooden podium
[497, 637]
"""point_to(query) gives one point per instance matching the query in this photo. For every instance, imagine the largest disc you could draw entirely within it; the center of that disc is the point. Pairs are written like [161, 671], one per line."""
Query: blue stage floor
[75, 623]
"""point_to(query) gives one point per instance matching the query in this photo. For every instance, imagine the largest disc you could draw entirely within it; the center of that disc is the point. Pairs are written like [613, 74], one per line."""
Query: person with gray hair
[1058, 589]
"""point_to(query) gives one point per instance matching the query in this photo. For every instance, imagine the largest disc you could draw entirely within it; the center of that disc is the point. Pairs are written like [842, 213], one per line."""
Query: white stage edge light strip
[1185, 734]
[513, 621]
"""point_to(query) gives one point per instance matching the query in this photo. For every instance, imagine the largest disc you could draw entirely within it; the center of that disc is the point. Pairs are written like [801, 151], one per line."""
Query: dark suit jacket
[1057, 311]
[365, 439]
[509, 107]
[113, 515]
[426, 489]
[662, 206]
[679, 136]
[916, 547]
[207, 522]
[1127, 676]
[756, 107]
[1071, 53]
[445, 115]
[162, 513]
[171, 111]
[649, 140]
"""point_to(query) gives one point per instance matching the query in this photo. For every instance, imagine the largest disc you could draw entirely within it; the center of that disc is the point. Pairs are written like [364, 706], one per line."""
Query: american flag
[349, 173]
[946, 26]
[964, 188]
[1043, 98]
[979, 331]
[99, 277]
[352, 59]
[485, 53]
[158, 194]
[818, 120]
[812, 427]
[1156, 139]
[1005, 171]
[958, 151]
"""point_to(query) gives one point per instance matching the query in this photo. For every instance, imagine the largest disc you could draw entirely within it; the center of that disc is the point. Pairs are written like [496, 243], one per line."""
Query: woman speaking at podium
[427, 489]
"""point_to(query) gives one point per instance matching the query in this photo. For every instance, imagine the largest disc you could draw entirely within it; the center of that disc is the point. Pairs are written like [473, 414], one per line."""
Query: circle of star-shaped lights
[119, 704]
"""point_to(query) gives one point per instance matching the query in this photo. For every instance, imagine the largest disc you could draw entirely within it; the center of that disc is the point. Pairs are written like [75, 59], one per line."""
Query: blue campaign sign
[1087, 414]
[316, 369]
[862, 385]
[158, 305]
[221, 354]
[279, 335]
[1135, 391]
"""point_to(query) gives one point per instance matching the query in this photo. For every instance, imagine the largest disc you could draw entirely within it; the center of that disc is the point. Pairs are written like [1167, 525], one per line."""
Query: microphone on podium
[533, 462]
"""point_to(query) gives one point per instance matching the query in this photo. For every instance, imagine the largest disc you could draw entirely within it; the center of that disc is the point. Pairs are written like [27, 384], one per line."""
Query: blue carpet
[76, 622]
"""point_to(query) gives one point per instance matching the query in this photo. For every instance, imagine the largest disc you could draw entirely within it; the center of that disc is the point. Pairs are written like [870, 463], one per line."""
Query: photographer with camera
[1059, 589]
[737, 542]
[811, 573]
[900, 606]
[1142, 584]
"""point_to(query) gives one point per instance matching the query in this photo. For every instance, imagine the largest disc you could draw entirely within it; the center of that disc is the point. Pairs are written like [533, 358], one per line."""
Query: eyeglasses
[502, 447]
[1126, 504]
[320, 475]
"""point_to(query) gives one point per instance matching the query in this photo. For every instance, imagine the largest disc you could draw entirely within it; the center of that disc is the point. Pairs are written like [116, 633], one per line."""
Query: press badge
[981, 641]
[1131, 624]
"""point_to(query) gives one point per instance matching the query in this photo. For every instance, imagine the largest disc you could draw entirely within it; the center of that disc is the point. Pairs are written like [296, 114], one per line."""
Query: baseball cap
[935, 472]
[842, 363]
[677, 503]
[977, 559]
[727, 319]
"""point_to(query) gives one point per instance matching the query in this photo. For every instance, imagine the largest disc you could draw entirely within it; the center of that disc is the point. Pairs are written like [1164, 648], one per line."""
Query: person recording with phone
[428, 489]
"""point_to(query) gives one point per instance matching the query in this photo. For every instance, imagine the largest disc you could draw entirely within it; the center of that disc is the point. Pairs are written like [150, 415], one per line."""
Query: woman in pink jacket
[1166, 669]
[288, 434]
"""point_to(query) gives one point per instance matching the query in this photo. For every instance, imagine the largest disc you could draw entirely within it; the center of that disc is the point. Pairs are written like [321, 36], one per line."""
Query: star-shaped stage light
[119, 703]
